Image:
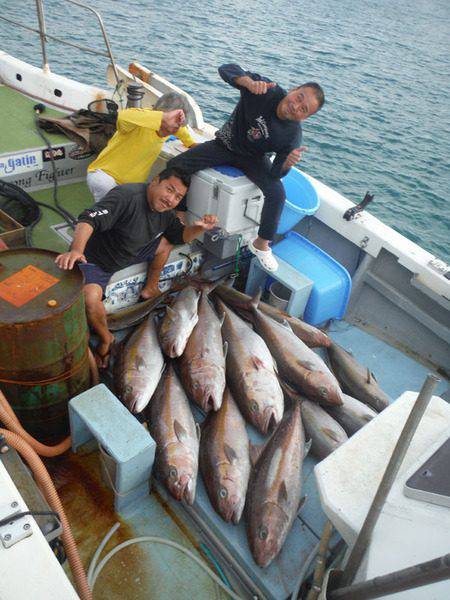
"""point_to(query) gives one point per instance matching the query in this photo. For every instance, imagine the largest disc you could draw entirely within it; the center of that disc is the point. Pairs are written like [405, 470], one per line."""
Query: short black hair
[174, 172]
[318, 92]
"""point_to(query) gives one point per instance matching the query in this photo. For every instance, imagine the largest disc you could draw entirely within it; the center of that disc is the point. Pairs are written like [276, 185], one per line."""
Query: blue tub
[332, 282]
[301, 200]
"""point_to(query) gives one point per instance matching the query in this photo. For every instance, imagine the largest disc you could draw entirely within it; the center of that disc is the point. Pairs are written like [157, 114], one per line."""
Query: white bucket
[279, 295]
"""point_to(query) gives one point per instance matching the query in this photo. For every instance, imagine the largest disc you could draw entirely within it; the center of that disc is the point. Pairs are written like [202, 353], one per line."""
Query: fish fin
[225, 349]
[306, 364]
[302, 503]
[180, 431]
[282, 493]
[257, 363]
[172, 314]
[198, 429]
[230, 454]
[330, 433]
[140, 363]
[255, 453]
[308, 445]
[253, 303]
[285, 324]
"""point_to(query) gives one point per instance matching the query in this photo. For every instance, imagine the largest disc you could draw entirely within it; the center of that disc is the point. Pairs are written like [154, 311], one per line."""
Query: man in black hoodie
[266, 120]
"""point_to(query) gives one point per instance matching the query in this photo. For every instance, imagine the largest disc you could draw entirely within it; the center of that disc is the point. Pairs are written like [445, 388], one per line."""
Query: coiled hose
[29, 448]
[46, 485]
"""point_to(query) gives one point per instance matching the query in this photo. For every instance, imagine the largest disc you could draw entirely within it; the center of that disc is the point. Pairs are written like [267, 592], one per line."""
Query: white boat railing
[42, 32]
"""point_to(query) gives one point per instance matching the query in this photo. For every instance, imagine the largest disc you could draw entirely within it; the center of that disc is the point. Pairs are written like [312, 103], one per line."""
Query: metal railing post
[105, 36]
[42, 33]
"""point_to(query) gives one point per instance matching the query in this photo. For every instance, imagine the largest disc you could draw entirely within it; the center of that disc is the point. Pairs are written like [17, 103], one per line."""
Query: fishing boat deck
[52, 231]
[18, 122]
[156, 571]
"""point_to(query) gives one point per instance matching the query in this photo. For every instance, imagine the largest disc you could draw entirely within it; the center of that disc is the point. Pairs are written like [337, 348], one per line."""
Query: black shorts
[95, 274]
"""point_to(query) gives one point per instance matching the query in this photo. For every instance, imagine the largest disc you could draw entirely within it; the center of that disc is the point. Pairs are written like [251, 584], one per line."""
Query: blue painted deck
[394, 371]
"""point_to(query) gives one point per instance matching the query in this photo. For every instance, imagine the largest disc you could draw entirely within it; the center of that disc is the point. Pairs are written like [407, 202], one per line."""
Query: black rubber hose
[71, 220]
[13, 191]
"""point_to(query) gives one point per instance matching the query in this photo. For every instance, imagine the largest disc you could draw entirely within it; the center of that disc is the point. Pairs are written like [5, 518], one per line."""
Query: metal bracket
[16, 530]
[352, 212]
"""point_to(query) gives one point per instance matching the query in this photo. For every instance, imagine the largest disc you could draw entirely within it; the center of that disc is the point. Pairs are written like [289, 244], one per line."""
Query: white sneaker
[265, 257]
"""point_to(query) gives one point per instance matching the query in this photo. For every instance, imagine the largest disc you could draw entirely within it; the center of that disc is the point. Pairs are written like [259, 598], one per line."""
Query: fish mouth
[232, 512]
[180, 487]
[269, 421]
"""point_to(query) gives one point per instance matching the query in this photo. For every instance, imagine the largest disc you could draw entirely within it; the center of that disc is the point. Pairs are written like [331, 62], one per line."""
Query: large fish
[308, 333]
[324, 432]
[356, 380]
[296, 362]
[134, 314]
[173, 428]
[179, 321]
[352, 415]
[139, 367]
[225, 459]
[202, 363]
[250, 372]
[274, 490]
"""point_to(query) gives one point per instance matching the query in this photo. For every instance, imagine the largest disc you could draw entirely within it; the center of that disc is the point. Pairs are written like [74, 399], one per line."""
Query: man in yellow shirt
[135, 146]
[130, 154]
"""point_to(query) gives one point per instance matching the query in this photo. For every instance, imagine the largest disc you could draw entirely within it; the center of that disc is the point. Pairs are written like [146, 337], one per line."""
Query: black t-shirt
[124, 226]
[253, 128]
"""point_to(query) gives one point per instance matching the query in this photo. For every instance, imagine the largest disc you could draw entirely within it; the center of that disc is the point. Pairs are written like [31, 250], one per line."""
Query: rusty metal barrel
[43, 340]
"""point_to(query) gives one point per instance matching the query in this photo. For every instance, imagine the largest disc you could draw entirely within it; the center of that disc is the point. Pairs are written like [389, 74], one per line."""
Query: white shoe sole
[265, 258]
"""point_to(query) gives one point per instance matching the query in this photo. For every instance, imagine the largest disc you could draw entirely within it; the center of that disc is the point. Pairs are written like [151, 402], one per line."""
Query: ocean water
[384, 66]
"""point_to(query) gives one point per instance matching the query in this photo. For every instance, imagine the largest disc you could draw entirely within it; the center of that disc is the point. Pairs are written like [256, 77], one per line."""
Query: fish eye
[128, 389]
[196, 386]
[223, 493]
[323, 392]
[263, 533]
[254, 407]
[173, 473]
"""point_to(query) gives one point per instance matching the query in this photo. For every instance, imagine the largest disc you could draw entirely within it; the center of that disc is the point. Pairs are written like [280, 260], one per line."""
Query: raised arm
[235, 76]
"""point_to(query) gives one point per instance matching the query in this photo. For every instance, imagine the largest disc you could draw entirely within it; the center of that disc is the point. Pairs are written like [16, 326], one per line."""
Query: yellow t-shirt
[135, 146]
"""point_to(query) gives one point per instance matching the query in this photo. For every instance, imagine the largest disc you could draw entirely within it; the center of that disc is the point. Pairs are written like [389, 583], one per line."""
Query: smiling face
[298, 104]
[166, 194]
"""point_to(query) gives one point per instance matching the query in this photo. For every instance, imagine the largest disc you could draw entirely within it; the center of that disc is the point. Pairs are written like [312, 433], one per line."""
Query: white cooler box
[235, 200]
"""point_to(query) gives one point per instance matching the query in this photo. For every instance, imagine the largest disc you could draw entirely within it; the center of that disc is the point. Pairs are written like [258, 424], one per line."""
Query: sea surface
[384, 66]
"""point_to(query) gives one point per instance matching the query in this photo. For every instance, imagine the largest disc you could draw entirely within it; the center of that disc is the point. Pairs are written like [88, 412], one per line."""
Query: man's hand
[294, 157]
[68, 259]
[254, 87]
[207, 222]
[172, 121]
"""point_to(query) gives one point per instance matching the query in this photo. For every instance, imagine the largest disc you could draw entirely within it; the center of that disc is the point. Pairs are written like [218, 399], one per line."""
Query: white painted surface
[409, 531]
[29, 569]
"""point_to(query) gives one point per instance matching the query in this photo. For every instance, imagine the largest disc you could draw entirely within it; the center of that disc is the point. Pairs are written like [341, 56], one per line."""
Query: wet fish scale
[308, 333]
[203, 361]
[173, 428]
[225, 459]
[250, 373]
[355, 379]
[297, 363]
[274, 490]
[179, 321]
[139, 367]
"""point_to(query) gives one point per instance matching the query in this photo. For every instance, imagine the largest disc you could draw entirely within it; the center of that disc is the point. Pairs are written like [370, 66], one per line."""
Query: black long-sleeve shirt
[253, 128]
[124, 226]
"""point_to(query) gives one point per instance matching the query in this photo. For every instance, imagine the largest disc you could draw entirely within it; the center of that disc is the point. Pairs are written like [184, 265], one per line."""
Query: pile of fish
[241, 362]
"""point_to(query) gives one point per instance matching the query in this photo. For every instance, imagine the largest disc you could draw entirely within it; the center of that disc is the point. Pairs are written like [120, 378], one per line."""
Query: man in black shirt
[133, 223]
[266, 120]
